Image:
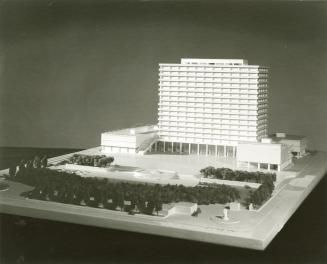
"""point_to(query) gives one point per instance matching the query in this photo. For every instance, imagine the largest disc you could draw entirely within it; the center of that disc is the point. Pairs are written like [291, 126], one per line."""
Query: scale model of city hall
[211, 107]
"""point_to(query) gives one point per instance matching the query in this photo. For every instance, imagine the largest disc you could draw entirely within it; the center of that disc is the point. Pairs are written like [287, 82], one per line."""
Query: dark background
[302, 240]
[70, 70]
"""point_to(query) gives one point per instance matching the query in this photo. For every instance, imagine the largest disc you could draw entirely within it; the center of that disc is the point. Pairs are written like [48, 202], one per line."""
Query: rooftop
[133, 130]
[259, 143]
[287, 137]
[214, 61]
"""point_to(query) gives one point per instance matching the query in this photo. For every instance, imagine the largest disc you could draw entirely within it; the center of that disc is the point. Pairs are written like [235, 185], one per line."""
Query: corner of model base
[258, 244]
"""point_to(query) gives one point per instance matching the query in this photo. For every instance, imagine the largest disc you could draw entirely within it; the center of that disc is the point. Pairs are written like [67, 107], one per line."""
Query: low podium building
[129, 140]
[264, 155]
[298, 144]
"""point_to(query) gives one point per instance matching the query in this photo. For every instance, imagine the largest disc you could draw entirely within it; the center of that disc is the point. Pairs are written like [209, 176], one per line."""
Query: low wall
[183, 209]
[85, 168]
[230, 183]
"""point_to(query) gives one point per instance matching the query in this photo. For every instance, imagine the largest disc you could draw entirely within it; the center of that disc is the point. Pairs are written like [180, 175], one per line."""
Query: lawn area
[3, 186]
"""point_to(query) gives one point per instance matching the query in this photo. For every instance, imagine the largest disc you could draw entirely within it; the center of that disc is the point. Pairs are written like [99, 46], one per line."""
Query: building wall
[110, 139]
[286, 156]
[303, 146]
[296, 145]
[140, 138]
[264, 153]
[124, 141]
[184, 209]
[259, 153]
[217, 102]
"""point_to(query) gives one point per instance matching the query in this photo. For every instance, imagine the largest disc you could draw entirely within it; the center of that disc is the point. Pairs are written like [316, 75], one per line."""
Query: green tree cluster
[91, 160]
[35, 162]
[237, 175]
[71, 188]
[262, 194]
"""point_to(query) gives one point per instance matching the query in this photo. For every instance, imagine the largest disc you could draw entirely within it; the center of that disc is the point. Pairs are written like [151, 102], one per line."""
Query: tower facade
[208, 105]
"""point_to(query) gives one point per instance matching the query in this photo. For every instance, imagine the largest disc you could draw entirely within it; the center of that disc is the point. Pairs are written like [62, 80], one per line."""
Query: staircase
[146, 145]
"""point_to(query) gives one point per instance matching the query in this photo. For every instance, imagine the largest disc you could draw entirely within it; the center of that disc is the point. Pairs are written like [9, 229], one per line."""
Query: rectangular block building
[129, 140]
[297, 143]
[207, 105]
[270, 155]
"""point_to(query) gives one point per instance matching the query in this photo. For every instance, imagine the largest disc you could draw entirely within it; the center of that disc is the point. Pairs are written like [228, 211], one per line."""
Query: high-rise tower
[208, 105]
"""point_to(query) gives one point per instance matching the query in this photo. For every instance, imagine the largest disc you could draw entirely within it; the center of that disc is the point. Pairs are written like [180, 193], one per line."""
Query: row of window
[173, 112]
[214, 82]
[254, 89]
[189, 136]
[209, 106]
[263, 120]
[211, 68]
[213, 123]
[210, 112]
[205, 108]
[221, 100]
[208, 141]
[215, 79]
[190, 80]
[210, 92]
[212, 74]
[214, 85]
[210, 128]
[183, 126]
[208, 97]
[191, 112]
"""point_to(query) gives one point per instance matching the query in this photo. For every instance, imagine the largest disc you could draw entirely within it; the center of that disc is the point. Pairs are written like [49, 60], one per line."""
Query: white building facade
[206, 106]
[297, 143]
[264, 155]
[129, 140]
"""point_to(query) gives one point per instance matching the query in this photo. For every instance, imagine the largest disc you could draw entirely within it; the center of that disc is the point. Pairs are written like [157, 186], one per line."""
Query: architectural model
[207, 171]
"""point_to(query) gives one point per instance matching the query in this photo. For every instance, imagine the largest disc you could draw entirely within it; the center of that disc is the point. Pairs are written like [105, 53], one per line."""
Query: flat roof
[259, 143]
[214, 61]
[215, 65]
[184, 204]
[178, 205]
[287, 137]
[137, 130]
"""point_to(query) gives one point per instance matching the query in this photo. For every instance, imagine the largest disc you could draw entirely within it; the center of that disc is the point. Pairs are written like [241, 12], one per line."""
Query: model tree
[140, 202]
[150, 207]
[29, 164]
[109, 161]
[158, 204]
[78, 193]
[12, 172]
[44, 161]
[37, 162]
[120, 198]
[21, 165]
